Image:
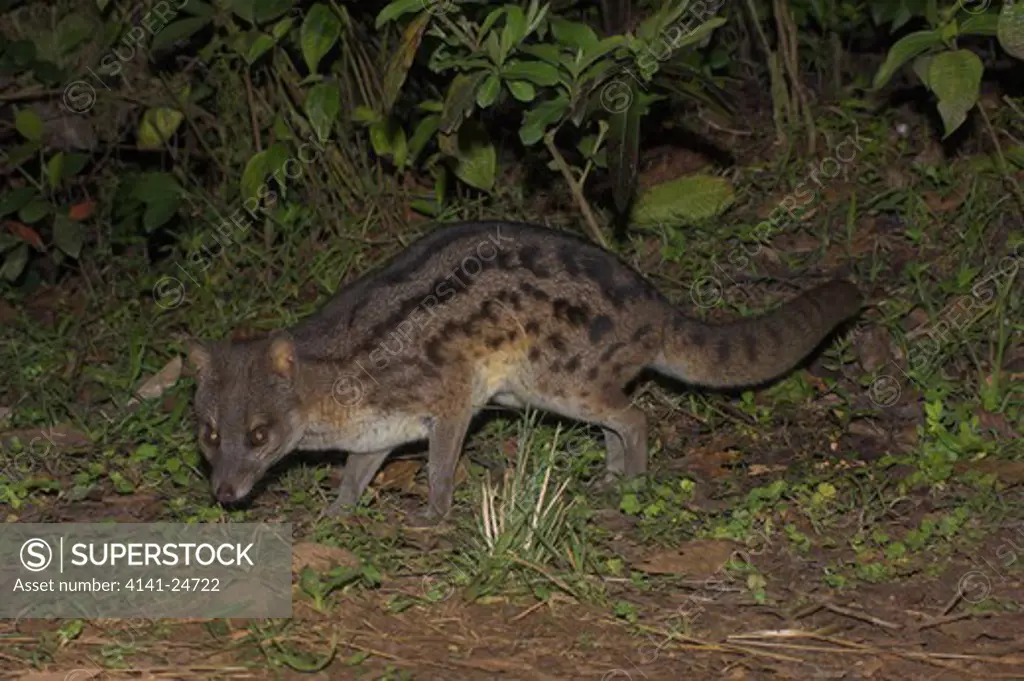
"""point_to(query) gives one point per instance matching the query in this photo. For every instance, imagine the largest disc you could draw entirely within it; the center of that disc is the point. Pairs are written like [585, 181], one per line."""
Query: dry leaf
[461, 473]
[756, 469]
[932, 156]
[27, 234]
[61, 437]
[937, 204]
[696, 559]
[872, 348]
[867, 428]
[320, 557]
[799, 242]
[155, 385]
[996, 422]
[7, 313]
[714, 463]
[914, 319]
[1008, 472]
[895, 178]
[399, 475]
[82, 211]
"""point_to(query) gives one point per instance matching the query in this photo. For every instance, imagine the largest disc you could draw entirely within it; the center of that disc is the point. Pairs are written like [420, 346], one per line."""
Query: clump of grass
[529, 534]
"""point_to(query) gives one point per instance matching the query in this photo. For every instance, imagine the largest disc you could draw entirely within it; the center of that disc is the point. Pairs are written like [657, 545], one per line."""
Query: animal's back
[502, 287]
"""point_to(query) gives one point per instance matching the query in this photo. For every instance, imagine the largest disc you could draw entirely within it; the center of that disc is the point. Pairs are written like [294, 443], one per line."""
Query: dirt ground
[895, 551]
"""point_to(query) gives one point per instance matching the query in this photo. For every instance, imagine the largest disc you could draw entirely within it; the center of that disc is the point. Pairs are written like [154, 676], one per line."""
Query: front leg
[446, 438]
[359, 471]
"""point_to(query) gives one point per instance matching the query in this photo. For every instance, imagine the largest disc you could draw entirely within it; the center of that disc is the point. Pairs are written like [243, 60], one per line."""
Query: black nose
[226, 493]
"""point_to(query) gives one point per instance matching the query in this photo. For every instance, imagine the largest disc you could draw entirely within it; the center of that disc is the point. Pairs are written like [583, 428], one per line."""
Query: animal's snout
[226, 493]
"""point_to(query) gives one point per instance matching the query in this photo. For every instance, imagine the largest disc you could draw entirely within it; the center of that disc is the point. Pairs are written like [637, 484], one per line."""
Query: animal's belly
[496, 375]
[368, 434]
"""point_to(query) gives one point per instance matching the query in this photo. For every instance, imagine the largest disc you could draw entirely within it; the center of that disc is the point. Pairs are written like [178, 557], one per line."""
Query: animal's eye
[211, 436]
[258, 436]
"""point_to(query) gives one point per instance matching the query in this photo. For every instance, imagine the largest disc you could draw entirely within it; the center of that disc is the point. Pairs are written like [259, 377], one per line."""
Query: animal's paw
[340, 508]
[425, 520]
[609, 482]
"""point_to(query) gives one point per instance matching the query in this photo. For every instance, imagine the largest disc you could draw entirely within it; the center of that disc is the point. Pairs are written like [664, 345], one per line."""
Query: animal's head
[247, 409]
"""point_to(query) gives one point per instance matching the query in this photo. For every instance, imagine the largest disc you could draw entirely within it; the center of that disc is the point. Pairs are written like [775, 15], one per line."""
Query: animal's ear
[282, 355]
[199, 355]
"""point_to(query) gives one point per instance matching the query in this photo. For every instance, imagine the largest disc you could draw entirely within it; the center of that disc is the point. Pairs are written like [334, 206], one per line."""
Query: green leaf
[154, 187]
[23, 152]
[401, 60]
[493, 48]
[539, 119]
[905, 49]
[67, 236]
[15, 200]
[476, 161]
[573, 34]
[400, 147]
[425, 131]
[364, 115]
[181, 30]
[197, 8]
[22, 53]
[282, 27]
[47, 72]
[260, 11]
[55, 168]
[158, 213]
[34, 211]
[254, 175]
[73, 164]
[537, 72]
[1014, 154]
[260, 45]
[955, 78]
[261, 166]
[14, 263]
[491, 20]
[883, 11]
[515, 29]
[921, 66]
[522, 90]
[157, 127]
[380, 137]
[397, 9]
[488, 92]
[624, 153]
[545, 52]
[28, 123]
[1010, 30]
[684, 201]
[72, 30]
[460, 99]
[654, 26]
[600, 50]
[949, 32]
[698, 34]
[268, 10]
[320, 31]
[596, 74]
[322, 107]
[980, 24]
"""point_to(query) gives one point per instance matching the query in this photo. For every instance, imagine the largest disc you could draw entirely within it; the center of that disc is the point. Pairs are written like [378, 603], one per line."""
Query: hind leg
[624, 427]
[625, 436]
